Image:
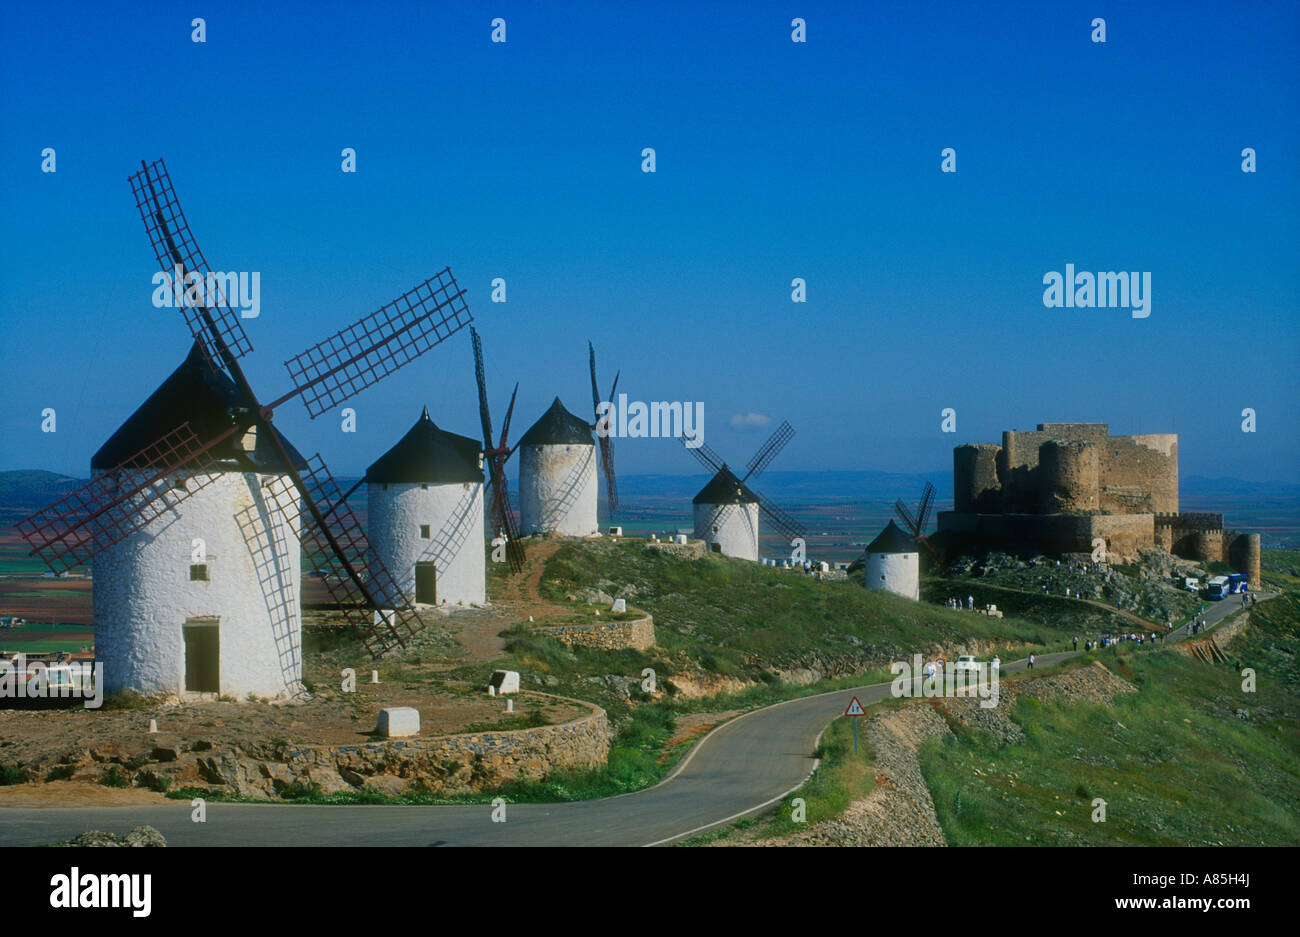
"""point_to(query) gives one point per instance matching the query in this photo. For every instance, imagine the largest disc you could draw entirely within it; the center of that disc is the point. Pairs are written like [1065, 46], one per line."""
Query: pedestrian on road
[1076, 642]
[970, 602]
[1031, 662]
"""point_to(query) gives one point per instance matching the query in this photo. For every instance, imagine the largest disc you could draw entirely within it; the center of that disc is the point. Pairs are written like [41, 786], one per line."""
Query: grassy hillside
[1189, 759]
[742, 619]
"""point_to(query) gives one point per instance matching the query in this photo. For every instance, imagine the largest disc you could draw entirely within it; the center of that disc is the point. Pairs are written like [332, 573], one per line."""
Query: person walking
[1031, 662]
[1076, 642]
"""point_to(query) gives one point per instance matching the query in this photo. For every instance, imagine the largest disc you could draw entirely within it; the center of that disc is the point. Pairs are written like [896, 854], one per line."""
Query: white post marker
[855, 709]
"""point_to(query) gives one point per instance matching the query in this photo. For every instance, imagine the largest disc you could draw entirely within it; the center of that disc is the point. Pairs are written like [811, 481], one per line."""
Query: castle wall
[1148, 463]
[1124, 534]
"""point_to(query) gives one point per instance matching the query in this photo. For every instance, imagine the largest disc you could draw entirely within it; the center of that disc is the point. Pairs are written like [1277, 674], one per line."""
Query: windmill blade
[484, 415]
[117, 503]
[607, 465]
[504, 515]
[510, 412]
[768, 451]
[351, 360]
[595, 392]
[174, 246]
[335, 544]
[906, 517]
[923, 512]
[705, 455]
[790, 528]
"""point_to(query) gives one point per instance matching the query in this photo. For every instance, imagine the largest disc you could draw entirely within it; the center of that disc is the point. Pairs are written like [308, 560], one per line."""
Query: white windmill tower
[894, 563]
[206, 596]
[726, 516]
[557, 475]
[726, 509]
[425, 515]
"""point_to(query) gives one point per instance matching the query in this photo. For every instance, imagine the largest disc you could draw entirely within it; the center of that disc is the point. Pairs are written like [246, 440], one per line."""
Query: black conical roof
[429, 455]
[892, 540]
[558, 427]
[725, 488]
[208, 401]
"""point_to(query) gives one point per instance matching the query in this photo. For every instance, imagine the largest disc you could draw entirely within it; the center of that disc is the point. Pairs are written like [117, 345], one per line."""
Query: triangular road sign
[855, 708]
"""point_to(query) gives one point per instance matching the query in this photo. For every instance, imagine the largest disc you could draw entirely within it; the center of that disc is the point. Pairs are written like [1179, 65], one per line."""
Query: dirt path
[521, 591]
[1146, 624]
[514, 599]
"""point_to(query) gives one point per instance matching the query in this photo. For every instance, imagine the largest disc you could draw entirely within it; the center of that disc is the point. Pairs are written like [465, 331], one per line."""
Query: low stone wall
[690, 550]
[446, 764]
[614, 636]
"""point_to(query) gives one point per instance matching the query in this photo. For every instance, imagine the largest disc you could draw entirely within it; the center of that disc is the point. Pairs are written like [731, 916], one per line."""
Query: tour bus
[1217, 587]
[1222, 586]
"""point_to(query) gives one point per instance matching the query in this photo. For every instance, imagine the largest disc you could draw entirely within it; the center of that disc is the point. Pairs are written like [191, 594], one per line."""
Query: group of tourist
[1111, 640]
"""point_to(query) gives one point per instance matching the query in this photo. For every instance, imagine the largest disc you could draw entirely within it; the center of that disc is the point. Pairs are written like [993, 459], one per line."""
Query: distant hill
[806, 487]
[28, 490]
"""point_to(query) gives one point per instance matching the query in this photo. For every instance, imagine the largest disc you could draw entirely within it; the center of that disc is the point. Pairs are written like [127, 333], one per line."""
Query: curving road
[743, 767]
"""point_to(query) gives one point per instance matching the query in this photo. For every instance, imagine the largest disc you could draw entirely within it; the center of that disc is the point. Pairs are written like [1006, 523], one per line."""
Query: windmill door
[202, 656]
[426, 583]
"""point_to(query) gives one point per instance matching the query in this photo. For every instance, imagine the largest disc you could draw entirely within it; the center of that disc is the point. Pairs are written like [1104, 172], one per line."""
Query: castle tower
[1069, 478]
[557, 475]
[425, 515]
[726, 516]
[206, 597]
[976, 488]
[1243, 553]
[894, 563]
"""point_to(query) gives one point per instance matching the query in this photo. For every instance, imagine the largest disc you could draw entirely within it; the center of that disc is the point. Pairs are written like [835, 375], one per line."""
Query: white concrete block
[398, 722]
[505, 681]
[681, 538]
[620, 605]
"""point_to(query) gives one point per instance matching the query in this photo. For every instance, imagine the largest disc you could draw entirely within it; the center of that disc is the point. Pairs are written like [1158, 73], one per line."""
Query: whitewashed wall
[454, 515]
[143, 594]
[737, 524]
[558, 490]
[899, 573]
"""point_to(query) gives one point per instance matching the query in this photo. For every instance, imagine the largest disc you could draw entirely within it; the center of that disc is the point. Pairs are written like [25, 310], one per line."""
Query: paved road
[743, 767]
[1215, 612]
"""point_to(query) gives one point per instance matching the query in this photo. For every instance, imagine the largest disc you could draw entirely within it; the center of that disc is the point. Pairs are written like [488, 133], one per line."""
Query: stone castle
[1063, 486]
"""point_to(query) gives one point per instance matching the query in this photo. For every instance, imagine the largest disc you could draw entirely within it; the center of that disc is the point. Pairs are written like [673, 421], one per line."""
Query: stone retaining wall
[446, 764]
[614, 636]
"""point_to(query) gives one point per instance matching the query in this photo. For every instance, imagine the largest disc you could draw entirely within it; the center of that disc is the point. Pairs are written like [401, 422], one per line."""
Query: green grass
[740, 618]
[1175, 762]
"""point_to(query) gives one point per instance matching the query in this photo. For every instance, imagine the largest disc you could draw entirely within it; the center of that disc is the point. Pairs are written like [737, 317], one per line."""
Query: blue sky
[775, 160]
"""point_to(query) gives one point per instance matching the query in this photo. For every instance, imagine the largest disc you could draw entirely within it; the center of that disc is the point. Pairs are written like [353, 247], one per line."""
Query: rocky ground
[1146, 589]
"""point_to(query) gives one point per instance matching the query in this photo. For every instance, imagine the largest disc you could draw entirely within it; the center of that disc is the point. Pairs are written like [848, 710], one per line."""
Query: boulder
[505, 681]
[398, 722]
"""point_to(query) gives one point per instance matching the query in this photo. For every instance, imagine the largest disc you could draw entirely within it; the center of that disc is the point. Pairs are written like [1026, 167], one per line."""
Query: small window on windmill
[424, 531]
[198, 572]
